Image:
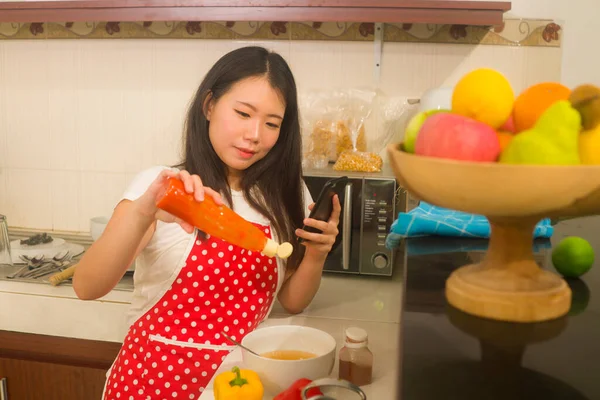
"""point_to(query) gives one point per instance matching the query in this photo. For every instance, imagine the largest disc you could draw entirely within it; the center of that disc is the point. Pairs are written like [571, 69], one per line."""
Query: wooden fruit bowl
[508, 284]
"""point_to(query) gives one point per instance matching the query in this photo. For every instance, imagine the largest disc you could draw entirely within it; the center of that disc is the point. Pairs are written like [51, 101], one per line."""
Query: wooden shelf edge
[402, 4]
[58, 350]
[439, 12]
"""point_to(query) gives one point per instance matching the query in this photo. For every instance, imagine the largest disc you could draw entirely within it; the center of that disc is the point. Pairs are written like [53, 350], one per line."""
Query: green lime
[573, 257]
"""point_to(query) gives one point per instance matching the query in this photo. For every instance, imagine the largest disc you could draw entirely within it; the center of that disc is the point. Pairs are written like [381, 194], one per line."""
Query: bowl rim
[398, 147]
[284, 327]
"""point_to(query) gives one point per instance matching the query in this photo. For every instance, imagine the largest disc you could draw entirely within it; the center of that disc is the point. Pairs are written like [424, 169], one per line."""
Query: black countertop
[447, 354]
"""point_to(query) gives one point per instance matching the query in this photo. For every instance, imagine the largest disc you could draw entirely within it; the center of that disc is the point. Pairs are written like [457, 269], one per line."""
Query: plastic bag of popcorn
[358, 161]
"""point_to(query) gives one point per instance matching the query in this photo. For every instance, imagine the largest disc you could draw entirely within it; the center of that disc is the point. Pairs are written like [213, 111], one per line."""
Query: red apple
[456, 137]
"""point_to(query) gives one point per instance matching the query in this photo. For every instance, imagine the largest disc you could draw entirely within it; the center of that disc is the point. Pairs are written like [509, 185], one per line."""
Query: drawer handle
[3, 390]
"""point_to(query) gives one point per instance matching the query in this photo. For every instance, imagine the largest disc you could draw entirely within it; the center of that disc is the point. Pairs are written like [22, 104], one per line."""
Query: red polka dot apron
[174, 349]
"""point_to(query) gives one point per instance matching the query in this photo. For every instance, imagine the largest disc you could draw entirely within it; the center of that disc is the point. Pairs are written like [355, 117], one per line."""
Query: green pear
[414, 127]
[553, 140]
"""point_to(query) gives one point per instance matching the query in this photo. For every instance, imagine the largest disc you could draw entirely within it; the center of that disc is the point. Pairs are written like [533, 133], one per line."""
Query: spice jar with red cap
[355, 358]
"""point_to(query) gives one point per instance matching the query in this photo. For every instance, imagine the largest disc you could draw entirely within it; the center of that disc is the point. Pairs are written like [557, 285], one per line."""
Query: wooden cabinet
[33, 380]
[403, 11]
[39, 367]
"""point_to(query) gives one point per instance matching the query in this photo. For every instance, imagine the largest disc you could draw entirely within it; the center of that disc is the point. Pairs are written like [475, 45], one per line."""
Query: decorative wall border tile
[343, 31]
[513, 32]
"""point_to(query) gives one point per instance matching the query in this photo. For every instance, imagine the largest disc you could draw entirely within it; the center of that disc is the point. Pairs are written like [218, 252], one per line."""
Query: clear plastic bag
[351, 149]
[351, 128]
[388, 121]
[358, 161]
[320, 112]
[334, 123]
[385, 123]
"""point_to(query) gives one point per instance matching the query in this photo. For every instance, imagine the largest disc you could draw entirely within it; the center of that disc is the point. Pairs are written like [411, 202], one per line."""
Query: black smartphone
[324, 203]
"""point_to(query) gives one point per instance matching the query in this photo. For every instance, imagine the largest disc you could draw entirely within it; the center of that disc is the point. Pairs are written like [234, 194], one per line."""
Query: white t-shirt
[160, 261]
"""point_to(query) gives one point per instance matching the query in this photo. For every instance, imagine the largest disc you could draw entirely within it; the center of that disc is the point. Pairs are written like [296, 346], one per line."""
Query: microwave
[370, 204]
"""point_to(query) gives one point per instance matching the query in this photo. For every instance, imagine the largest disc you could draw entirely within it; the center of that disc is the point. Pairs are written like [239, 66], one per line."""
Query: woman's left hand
[322, 242]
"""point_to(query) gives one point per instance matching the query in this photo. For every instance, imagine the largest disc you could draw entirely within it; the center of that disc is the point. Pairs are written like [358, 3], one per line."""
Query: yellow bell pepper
[238, 385]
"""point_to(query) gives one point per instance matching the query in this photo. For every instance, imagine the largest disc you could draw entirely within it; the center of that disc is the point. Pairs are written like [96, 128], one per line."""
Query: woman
[242, 147]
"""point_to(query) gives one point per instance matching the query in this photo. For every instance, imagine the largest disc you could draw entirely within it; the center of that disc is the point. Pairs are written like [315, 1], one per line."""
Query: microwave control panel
[378, 214]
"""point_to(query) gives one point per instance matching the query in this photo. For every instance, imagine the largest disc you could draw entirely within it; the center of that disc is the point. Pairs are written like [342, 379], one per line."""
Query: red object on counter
[294, 392]
[217, 220]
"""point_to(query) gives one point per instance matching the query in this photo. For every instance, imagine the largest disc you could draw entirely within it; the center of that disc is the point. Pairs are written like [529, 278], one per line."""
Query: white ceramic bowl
[97, 225]
[278, 375]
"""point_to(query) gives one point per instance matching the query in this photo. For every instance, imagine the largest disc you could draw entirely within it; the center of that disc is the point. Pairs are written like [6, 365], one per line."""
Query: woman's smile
[245, 153]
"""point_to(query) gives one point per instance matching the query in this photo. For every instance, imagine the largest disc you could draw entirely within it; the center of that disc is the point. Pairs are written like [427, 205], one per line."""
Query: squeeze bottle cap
[270, 249]
[285, 250]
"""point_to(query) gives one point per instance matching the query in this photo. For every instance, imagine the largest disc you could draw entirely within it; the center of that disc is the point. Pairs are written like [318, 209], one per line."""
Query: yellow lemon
[589, 146]
[485, 95]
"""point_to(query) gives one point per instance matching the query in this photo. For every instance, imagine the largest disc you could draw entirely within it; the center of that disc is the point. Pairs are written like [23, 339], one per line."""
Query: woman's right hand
[146, 204]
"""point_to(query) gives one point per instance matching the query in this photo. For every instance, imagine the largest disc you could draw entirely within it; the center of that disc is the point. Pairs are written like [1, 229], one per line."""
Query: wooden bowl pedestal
[508, 284]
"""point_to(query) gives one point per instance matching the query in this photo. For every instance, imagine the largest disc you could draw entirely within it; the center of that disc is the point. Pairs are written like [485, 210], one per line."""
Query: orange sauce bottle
[218, 220]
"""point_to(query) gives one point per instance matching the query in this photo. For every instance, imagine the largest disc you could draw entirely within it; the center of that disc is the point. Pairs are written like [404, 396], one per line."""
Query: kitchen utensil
[238, 344]
[508, 284]
[56, 263]
[5, 254]
[62, 276]
[48, 250]
[341, 386]
[40, 266]
[30, 262]
[34, 261]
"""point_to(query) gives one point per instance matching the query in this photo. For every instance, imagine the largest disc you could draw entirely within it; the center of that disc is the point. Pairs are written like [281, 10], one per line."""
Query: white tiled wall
[79, 118]
[579, 38]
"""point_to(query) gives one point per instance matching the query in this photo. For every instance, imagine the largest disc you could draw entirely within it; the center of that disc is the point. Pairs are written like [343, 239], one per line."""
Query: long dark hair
[272, 185]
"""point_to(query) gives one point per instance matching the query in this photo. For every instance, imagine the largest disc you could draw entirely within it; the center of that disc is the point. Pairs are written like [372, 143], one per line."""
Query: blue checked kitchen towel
[427, 220]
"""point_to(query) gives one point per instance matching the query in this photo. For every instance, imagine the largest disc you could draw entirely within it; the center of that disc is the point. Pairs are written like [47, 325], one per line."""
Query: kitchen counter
[447, 354]
[372, 303]
[444, 353]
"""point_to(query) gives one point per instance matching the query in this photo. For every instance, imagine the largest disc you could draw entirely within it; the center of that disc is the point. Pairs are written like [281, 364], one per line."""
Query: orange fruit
[534, 100]
[504, 138]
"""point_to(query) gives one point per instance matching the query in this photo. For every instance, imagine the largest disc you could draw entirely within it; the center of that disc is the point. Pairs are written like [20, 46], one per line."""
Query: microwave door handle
[347, 227]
